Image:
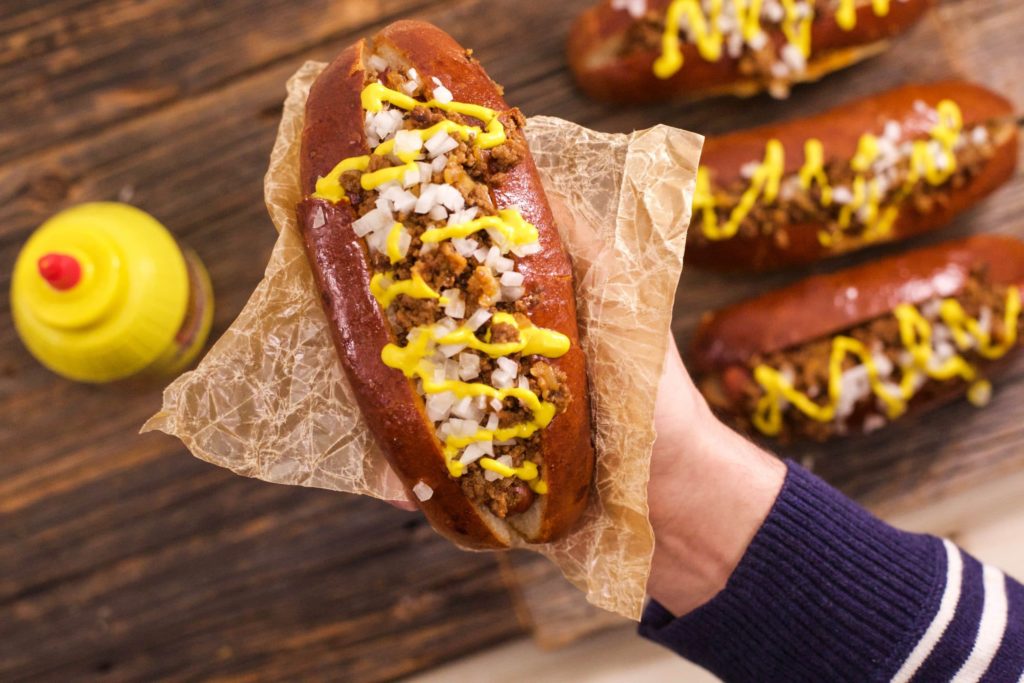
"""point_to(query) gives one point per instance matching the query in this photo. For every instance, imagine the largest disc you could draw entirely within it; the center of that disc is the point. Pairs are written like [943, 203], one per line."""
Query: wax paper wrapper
[270, 399]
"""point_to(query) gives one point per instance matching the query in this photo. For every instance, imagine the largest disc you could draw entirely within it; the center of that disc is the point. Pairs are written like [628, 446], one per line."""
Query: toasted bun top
[840, 128]
[828, 304]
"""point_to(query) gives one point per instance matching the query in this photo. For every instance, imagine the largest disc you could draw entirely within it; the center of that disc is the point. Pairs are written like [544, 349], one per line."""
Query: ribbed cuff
[824, 592]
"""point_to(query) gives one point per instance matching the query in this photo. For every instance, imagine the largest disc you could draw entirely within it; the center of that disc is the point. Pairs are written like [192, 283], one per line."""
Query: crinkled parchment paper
[270, 399]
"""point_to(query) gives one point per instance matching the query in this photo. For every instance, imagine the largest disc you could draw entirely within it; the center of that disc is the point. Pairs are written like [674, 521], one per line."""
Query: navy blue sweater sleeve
[827, 592]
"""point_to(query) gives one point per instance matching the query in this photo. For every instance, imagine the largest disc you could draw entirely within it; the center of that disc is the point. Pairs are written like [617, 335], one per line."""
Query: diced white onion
[635, 8]
[503, 265]
[508, 365]
[463, 216]
[492, 422]
[409, 87]
[512, 293]
[464, 408]
[469, 366]
[423, 491]
[492, 257]
[439, 405]
[451, 370]
[479, 317]
[374, 220]
[441, 93]
[450, 198]
[413, 74]
[427, 199]
[446, 325]
[465, 246]
[498, 239]
[873, 422]
[491, 475]
[411, 177]
[407, 142]
[496, 404]
[854, 387]
[385, 123]
[426, 171]
[438, 213]
[449, 350]
[472, 453]
[524, 382]
[842, 195]
[439, 162]
[505, 460]
[793, 57]
[528, 249]
[480, 254]
[437, 144]
[403, 201]
[501, 379]
[882, 364]
[456, 306]
[512, 279]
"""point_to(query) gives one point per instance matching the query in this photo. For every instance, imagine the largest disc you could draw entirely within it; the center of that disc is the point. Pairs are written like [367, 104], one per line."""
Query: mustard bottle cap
[99, 292]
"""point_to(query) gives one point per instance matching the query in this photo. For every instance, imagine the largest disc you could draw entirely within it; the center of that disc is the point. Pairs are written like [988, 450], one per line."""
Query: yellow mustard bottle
[102, 292]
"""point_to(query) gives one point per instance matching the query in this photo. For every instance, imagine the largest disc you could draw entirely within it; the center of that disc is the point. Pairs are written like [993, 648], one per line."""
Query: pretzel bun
[815, 311]
[606, 72]
[793, 240]
[343, 265]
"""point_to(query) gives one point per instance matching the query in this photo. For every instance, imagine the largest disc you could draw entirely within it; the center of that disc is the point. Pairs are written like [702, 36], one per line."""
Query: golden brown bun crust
[824, 305]
[393, 410]
[840, 130]
[605, 76]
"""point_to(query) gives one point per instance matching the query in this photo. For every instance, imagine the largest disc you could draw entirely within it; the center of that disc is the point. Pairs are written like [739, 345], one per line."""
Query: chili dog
[447, 289]
[853, 350]
[876, 170]
[636, 51]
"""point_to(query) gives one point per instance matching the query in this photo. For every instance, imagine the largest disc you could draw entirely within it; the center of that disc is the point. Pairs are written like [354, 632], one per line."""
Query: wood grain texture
[122, 557]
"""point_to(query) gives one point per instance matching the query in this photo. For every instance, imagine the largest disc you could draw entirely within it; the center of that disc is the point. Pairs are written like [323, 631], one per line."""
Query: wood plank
[71, 68]
[121, 554]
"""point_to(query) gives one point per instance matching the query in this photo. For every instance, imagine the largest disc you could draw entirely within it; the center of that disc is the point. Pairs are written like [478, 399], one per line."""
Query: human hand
[710, 490]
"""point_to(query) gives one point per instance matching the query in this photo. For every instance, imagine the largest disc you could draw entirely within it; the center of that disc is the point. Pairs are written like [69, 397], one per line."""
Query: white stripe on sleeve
[947, 609]
[990, 630]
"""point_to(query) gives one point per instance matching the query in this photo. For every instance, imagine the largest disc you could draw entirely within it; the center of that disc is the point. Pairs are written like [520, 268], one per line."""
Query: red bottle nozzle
[60, 271]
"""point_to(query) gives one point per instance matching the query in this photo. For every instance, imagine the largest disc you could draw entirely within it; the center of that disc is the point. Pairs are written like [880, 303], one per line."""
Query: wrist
[709, 493]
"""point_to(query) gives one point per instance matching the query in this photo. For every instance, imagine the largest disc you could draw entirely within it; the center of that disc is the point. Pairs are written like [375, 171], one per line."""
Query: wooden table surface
[122, 557]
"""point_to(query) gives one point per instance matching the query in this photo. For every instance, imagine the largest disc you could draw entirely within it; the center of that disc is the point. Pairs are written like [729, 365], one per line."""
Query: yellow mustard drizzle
[508, 222]
[915, 335]
[385, 290]
[412, 361]
[764, 184]
[329, 186]
[394, 235]
[867, 194]
[412, 358]
[373, 98]
[709, 37]
[846, 13]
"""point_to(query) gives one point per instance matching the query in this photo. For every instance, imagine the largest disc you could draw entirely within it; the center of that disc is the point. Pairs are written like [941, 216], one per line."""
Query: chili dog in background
[876, 170]
[851, 351]
[447, 289]
[635, 51]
